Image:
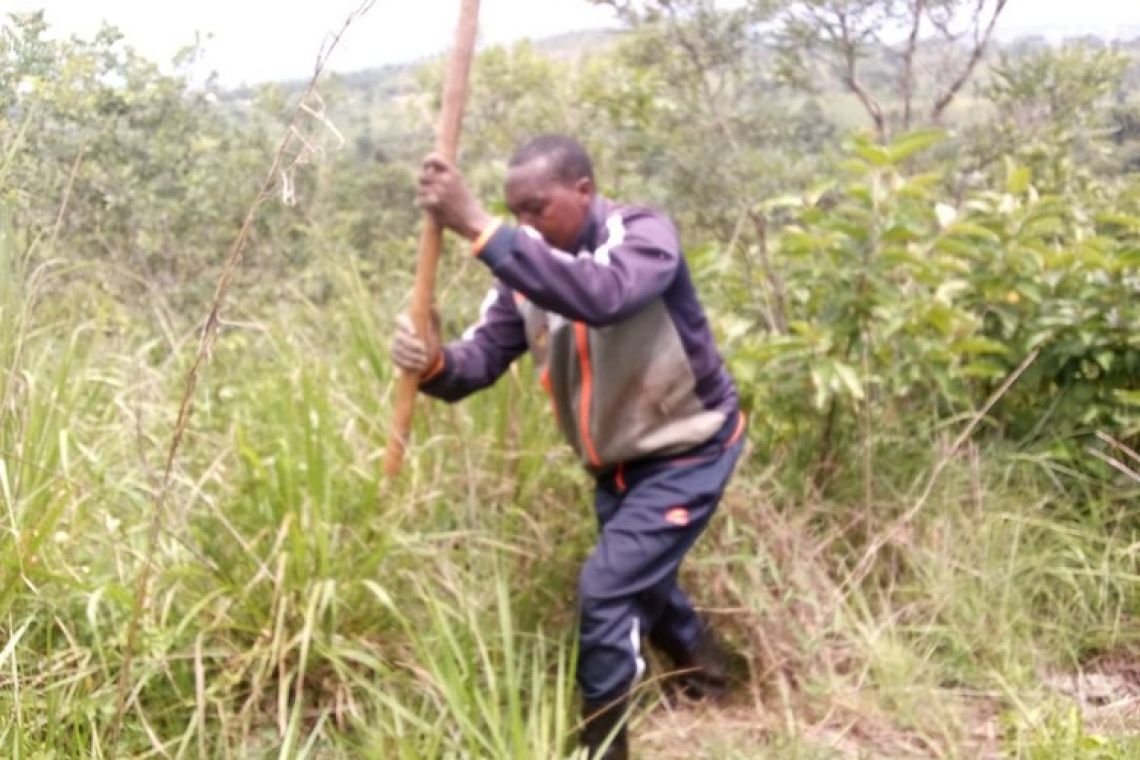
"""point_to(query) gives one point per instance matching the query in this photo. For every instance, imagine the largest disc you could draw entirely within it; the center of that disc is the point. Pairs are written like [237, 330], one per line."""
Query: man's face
[554, 207]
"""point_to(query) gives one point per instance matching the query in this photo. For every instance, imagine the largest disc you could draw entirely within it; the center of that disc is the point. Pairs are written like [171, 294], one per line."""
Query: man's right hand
[409, 351]
[443, 193]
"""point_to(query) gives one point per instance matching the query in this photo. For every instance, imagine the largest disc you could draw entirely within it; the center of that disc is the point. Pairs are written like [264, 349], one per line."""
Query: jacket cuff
[497, 247]
[435, 369]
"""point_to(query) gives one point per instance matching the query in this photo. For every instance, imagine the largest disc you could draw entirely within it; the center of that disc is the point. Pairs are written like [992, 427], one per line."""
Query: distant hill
[369, 105]
[393, 80]
[575, 44]
[397, 79]
[1056, 34]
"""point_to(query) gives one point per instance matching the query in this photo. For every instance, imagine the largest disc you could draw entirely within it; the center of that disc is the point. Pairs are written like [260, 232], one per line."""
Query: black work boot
[704, 669]
[601, 719]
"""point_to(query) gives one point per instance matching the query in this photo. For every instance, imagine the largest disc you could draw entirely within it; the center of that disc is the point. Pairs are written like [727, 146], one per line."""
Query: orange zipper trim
[739, 430]
[484, 236]
[435, 368]
[582, 339]
[544, 381]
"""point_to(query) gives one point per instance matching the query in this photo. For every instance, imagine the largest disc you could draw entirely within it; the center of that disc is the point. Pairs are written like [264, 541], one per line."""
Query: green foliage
[128, 164]
[1059, 732]
[903, 303]
[504, 694]
[1059, 89]
[1054, 105]
[706, 136]
[871, 295]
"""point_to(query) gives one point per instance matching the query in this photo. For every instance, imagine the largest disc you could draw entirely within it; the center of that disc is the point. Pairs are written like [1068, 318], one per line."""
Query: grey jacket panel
[645, 390]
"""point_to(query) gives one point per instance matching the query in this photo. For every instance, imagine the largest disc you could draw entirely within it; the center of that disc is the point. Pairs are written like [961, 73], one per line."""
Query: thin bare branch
[981, 42]
[1114, 463]
[850, 76]
[779, 315]
[863, 567]
[1119, 446]
[908, 62]
[701, 70]
[209, 334]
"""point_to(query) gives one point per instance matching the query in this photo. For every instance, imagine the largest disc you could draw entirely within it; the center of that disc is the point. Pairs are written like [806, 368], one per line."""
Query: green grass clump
[304, 607]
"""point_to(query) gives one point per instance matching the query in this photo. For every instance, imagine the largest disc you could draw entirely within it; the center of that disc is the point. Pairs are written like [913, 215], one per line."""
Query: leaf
[854, 167]
[946, 214]
[902, 233]
[13, 641]
[783, 201]
[814, 193]
[959, 248]
[873, 154]
[918, 185]
[949, 289]
[1129, 398]
[1019, 179]
[1091, 258]
[1046, 225]
[822, 390]
[382, 595]
[1119, 220]
[969, 229]
[1039, 339]
[985, 370]
[979, 345]
[1105, 360]
[734, 327]
[811, 216]
[907, 145]
[850, 379]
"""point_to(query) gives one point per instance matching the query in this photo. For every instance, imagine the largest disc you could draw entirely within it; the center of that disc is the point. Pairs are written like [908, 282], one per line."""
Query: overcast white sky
[254, 40]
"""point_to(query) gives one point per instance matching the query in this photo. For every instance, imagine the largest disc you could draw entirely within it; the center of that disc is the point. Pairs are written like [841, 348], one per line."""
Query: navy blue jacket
[619, 338]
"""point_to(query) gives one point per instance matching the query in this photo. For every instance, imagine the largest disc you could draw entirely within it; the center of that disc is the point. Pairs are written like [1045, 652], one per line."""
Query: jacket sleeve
[636, 264]
[483, 354]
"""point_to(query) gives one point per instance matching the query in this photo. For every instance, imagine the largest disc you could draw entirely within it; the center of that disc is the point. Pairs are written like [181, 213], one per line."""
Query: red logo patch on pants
[678, 516]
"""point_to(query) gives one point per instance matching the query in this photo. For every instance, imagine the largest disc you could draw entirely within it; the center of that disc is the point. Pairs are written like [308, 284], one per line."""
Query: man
[600, 293]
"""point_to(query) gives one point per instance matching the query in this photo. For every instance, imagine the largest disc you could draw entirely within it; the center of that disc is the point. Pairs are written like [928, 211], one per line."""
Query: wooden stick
[451, 121]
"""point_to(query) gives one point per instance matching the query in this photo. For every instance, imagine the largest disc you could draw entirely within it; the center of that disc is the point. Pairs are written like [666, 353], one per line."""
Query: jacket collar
[588, 236]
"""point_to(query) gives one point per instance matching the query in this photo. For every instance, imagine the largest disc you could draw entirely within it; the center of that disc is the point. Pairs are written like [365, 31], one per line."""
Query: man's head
[550, 183]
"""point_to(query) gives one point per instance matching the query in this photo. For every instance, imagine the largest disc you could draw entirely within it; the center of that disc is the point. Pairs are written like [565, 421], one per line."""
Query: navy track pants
[649, 515]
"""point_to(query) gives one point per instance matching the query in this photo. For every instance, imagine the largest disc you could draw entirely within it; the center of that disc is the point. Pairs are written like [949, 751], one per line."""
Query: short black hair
[569, 161]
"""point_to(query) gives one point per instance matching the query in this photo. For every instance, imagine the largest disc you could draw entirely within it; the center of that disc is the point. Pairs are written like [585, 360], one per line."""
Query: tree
[115, 160]
[1055, 109]
[847, 35]
[728, 140]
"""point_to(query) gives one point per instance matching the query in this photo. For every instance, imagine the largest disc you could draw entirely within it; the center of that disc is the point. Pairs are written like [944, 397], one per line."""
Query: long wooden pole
[451, 122]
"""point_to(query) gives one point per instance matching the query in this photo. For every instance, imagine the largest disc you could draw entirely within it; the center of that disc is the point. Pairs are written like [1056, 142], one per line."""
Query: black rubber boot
[600, 721]
[704, 670]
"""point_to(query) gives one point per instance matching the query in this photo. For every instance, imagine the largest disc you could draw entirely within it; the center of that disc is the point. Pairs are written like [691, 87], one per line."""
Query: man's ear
[584, 187]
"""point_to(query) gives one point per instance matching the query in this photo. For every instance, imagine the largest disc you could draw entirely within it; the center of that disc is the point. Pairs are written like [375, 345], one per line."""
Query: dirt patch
[1107, 691]
[752, 732]
[696, 732]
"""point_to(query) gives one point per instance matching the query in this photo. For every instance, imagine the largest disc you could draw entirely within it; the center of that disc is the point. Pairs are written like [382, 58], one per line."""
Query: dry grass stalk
[1126, 452]
[866, 562]
[291, 151]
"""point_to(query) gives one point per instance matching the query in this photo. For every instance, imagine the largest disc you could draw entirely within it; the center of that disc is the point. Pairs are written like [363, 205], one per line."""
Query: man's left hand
[444, 194]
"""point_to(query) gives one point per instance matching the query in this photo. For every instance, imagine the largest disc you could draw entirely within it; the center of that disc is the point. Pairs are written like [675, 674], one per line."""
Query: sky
[256, 40]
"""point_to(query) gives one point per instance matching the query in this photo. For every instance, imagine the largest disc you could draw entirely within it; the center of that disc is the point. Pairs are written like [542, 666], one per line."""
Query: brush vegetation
[929, 549]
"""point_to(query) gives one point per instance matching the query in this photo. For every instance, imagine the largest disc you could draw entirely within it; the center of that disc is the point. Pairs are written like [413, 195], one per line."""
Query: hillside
[929, 317]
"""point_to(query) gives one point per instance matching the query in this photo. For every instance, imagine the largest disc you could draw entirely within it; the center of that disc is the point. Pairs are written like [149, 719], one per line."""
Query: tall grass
[302, 607]
[291, 604]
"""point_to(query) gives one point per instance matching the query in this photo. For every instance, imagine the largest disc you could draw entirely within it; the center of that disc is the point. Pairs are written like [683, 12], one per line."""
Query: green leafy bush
[904, 302]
